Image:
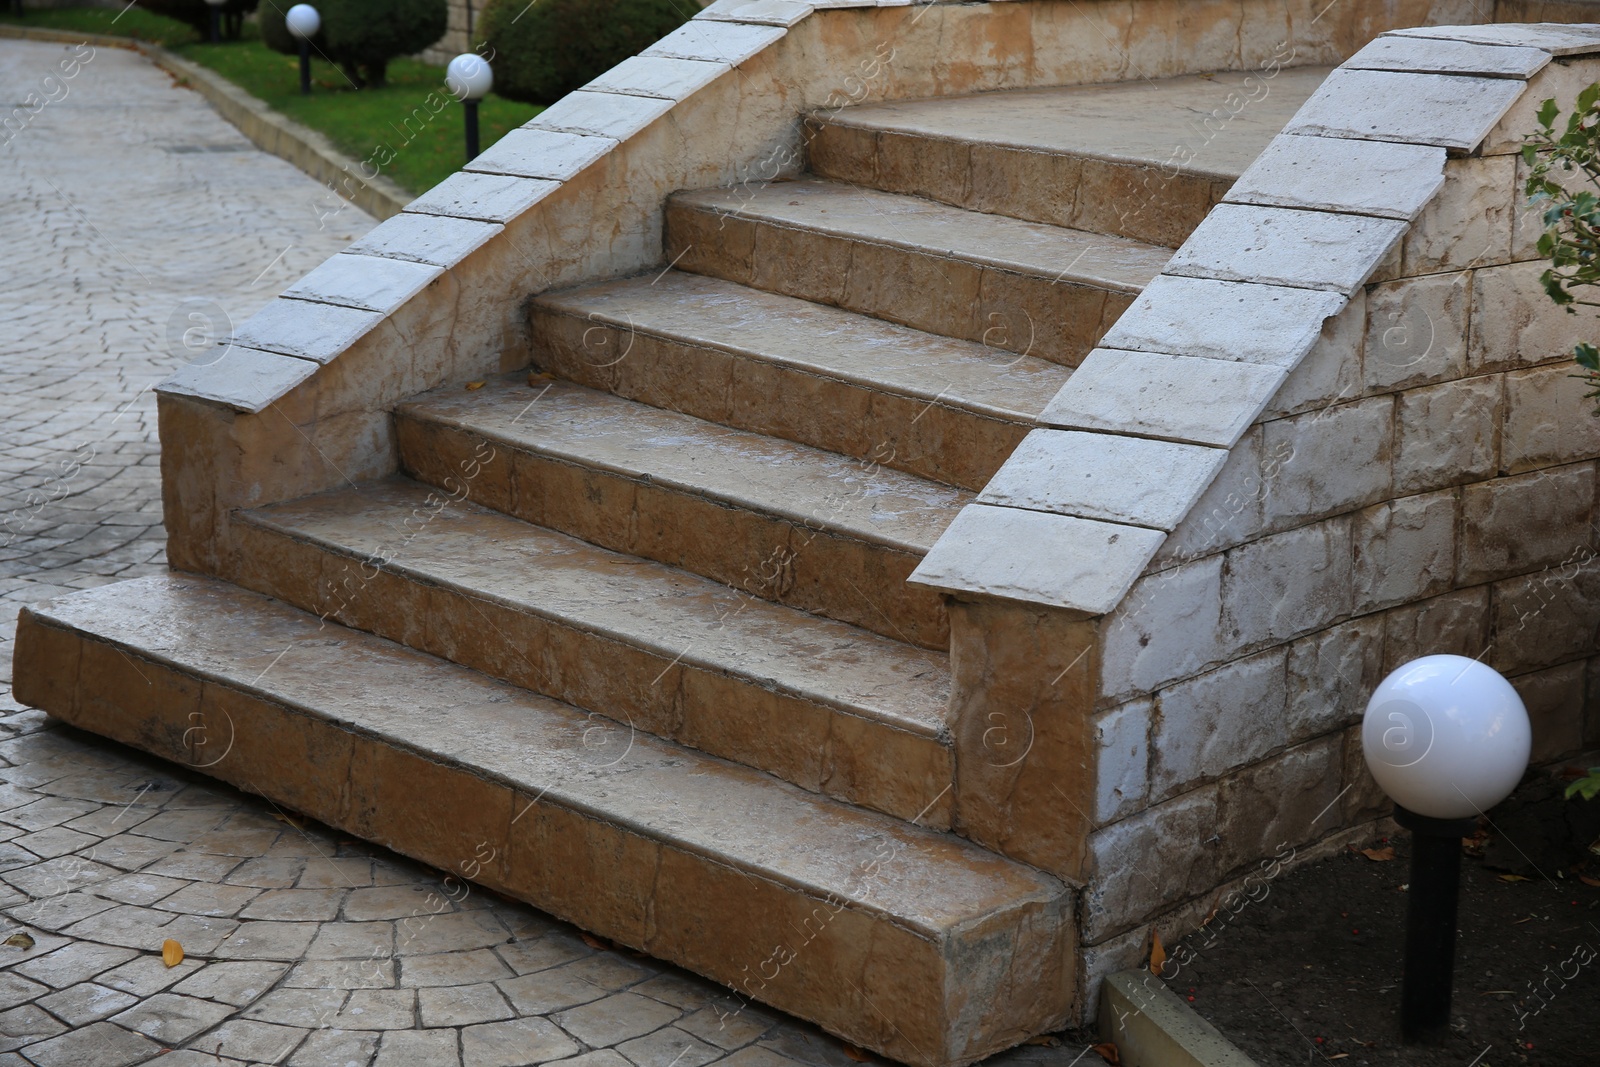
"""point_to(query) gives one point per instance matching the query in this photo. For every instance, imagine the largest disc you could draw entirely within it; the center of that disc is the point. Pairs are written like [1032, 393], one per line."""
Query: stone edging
[270, 131]
[1212, 344]
[1151, 1027]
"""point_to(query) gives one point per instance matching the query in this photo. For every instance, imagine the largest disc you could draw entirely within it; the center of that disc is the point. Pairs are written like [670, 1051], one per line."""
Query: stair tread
[221, 634]
[1140, 121]
[913, 223]
[680, 615]
[733, 467]
[700, 310]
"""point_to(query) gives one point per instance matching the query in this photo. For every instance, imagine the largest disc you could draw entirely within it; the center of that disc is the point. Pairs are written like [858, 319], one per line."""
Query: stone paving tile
[302, 947]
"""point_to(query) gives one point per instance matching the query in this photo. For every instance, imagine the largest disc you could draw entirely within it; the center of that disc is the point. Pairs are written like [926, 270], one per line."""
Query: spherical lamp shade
[216, 3]
[468, 77]
[1446, 737]
[303, 21]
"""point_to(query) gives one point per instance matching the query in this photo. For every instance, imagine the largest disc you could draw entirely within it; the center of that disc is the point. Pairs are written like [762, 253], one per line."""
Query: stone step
[1027, 287]
[934, 406]
[1141, 158]
[782, 521]
[829, 707]
[914, 943]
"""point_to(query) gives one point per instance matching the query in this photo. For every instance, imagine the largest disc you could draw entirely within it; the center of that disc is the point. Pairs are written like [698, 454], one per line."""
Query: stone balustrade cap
[1556, 38]
[370, 283]
[768, 12]
[303, 328]
[617, 116]
[245, 379]
[659, 76]
[718, 42]
[1336, 174]
[538, 153]
[1447, 110]
[484, 197]
[1435, 55]
[438, 240]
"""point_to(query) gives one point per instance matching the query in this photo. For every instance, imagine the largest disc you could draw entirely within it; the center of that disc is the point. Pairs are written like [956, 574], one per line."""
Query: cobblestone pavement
[127, 207]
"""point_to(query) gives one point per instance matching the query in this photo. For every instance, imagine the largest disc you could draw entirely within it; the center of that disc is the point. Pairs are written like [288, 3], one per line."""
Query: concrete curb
[1151, 1027]
[270, 131]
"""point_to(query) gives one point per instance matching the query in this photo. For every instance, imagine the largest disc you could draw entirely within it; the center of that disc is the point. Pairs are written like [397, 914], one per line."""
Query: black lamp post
[1447, 738]
[469, 79]
[215, 11]
[303, 23]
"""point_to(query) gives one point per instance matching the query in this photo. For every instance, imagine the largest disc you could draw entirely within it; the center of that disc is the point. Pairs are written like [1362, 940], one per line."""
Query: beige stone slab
[741, 469]
[669, 612]
[1175, 398]
[371, 283]
[766, 12]
[1338, 174]
[716, 42]
[1107, 476]
[1245, 110]
[918, 225]
[317, 332]
[1269, 324]
[439, 240]
[868, 352]
[486, 197]
[659, 76]
[1038, 558]
[1279, 246]
[539, 153]
[245, 379]
[1423, 55]
[1439, 109]
[603, 114]
[1559, 39]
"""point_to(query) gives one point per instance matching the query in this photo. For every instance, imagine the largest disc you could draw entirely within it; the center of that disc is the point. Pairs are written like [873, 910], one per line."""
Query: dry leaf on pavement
[171, 952]
[20, 941]
[1158, 955]
[1378, 855]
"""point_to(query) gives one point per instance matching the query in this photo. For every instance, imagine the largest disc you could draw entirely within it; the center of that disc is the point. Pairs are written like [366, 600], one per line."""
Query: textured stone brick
[1547, 419]
[1287, 584]
[1331, 676]
[1546, 617]
[1218, 722]
[1166, 628]
[1416, 330]
[1514, 324]
[1446, 434]
[1403, 550]
[1122, 767]
[1469, 223]
[1456, 623]
[1524, 522]
[1229, 511]
[1335, 459]
[1555, 702]
[1281, 802]
[1331, 371]
[1144, 862]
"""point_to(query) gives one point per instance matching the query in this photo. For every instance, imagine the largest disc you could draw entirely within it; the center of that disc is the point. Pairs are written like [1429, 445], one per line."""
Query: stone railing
[1338, 432]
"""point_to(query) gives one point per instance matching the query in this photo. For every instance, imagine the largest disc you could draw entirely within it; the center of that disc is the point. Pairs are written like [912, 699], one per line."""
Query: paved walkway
[133, 220]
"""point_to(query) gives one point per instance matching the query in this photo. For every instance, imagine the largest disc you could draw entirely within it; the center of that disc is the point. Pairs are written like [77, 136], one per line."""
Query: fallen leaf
[1158, 955]
[856, 1054]
[298, 824]
[1338, 1055]
[1514, 878]
[540, 377]
[171, 952]
[474, 385]
[1047, 1040]
[1378, 855]
[20, 941]
[1108, 1052]
[596, 942]
[1586, 880]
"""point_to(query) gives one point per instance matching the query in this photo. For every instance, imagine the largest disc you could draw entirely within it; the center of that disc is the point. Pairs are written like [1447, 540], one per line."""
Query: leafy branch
[1571, 216]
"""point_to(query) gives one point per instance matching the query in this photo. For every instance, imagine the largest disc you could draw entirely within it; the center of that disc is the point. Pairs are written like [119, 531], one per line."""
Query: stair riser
[870, 981]
[1158, 204]
[1036, 315]
[931, 440]
[777, 559]
[812, 744]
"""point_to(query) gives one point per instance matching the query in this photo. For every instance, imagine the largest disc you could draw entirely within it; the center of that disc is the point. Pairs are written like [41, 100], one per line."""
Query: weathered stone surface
[312, 331]
[1177, 398]
[371, 283]
[1331, 372]
[541, 153]
[1217, 722]
[1279, 246]
[1338, 174]
[716, 42]
[1287, 584]
[1446, 434]
[1554, 699]
[658, 76]
[1122, 772]
[1331, 675]
[245, 379]
[1279, 803]
[1229, 512]
[1455, 623]
[485, 197]
[1070, 472]
[1168, 627]
[1547, 419]
[1433, 109]
[1546, 617]
[1525, 522]
[610, 115]
[1135, 872]
[1558, 40]
[438, 240]
[1469, 223]
[1404, 550]
[1331, 461]
[1206, 317]
[1416, 331]
[1078, 564]
[1422, 55]
[768, 12]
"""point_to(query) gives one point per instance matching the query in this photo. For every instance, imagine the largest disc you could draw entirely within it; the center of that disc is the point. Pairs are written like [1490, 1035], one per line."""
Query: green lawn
[425, 150]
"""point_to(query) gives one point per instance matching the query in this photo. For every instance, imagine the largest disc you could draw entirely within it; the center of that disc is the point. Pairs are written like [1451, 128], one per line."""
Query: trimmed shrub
[270, 17]
[197, 13]
[541, 53]
[369, 33]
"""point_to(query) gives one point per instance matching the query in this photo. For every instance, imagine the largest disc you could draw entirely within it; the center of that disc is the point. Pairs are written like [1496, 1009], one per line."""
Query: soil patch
[1310, 970]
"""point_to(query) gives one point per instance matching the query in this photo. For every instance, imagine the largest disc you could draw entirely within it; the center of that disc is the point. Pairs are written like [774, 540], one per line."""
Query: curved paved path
[127, 208]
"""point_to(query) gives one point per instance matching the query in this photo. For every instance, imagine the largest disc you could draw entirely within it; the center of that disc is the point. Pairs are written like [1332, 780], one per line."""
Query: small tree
[367, 34]
[197, 13]
[544, 51]
[1571, 238]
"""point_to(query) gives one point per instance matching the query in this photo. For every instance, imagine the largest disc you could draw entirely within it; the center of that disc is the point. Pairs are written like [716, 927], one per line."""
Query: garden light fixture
[215, 12]
[304, 22]
[469, 79]
[1447, 738]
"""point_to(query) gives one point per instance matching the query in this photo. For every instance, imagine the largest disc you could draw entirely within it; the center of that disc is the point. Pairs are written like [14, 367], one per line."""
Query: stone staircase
[634, 623]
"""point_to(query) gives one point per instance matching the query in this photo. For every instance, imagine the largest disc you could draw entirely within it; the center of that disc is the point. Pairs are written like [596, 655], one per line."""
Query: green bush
[275, 33]
[197, 13]
[369, 33]
[541, 53]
